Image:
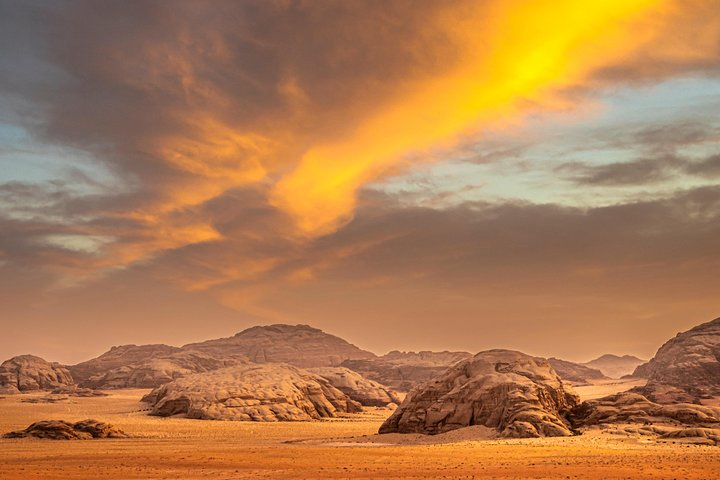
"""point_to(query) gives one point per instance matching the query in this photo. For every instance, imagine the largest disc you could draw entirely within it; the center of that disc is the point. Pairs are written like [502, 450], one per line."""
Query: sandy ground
[341, 448]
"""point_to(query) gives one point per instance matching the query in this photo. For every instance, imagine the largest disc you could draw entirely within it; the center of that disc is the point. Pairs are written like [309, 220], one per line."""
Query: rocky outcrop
[366, 392]
[62, 430]
[299, 345]
[118, 357]
[155, 371]
[402, 371]
[575, 373]
[615, 366]
[629, 407]
[516, 394]
[686, 368]
[27, 373]
[251, 392]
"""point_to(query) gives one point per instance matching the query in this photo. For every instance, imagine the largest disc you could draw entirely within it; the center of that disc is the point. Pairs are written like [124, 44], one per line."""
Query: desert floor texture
[338, 448]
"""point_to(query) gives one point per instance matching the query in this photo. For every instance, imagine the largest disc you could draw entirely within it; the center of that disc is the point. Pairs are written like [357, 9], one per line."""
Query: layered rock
[629, 407]
[575, 373]
[299, 345]
[251, 392]
[155, 371]
[686, 368]
[26, 373]
[118, 357]
[516, 394]
[62, 430]
[402, 371]
[362, 390]
[615, 366]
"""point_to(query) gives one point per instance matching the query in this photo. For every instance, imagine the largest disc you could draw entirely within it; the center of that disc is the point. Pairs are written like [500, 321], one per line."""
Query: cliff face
[27, 373]
[516, 394]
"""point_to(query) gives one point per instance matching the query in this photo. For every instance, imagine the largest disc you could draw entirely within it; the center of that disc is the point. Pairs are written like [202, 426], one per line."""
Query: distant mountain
[615, 366]
[118, 357]
[299, 345]
[403, 370]
[26, 373]
[575, 373]
[686, 368]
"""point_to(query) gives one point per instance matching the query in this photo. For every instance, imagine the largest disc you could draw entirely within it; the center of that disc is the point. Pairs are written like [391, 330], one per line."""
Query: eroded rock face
[686, 368]
[518, 395]
[118, 357]
[27, 373]
[615, 366]
[155, 371]
[62, 430]
[299, 345]
[402, 371]
[362, 390]
[575, 373]
[629, 407]
[251, 392]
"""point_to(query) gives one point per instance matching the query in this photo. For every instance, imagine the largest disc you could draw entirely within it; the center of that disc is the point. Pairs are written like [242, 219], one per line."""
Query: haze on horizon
[536, 175]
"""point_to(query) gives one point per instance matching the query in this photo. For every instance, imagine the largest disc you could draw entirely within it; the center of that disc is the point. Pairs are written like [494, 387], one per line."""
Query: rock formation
[26, 373]
[404, 370]
[519, 395]
[299, 345]
[253, 392]
[366, 392]
[686, 368]
[615, 366]
[118, 357]
[575, 373]
[62, 430]
[155, 371]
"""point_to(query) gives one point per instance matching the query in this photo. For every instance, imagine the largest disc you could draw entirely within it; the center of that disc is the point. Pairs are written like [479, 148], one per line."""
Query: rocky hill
[252, 392]
[575, 373]
[686, 368]
[366, 392]
[299, 345]
[404, 370]
[516, 394]
[118, 357]
[615, 366]
[155, 371]
[27, 373]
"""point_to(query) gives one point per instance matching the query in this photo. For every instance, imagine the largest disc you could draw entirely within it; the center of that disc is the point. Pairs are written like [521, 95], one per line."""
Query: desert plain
[343, 447]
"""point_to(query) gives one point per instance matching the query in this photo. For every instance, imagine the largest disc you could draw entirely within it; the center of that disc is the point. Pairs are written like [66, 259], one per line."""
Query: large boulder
[155, 371]
[299, 345]
[514, 393]
[27, 373]
[117, 357]
[402, 371]
[251, 392]
[615, 366]
[686, 368]
[366, 392]
[575, 373]
[62, 430]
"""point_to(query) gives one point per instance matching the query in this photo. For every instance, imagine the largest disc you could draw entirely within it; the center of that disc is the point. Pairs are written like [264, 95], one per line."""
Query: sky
[541, 175]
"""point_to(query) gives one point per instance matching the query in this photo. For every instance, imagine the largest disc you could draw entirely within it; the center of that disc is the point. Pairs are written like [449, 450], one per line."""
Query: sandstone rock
[686, 368]
[299, 345]
[62, 430]
[575, 373]
[516, 394]
[629, 407]
[118, 357]
[404, 370]
[366, 392]
[155, 371]
[26, 373]
[615, 366]
[253, 392]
